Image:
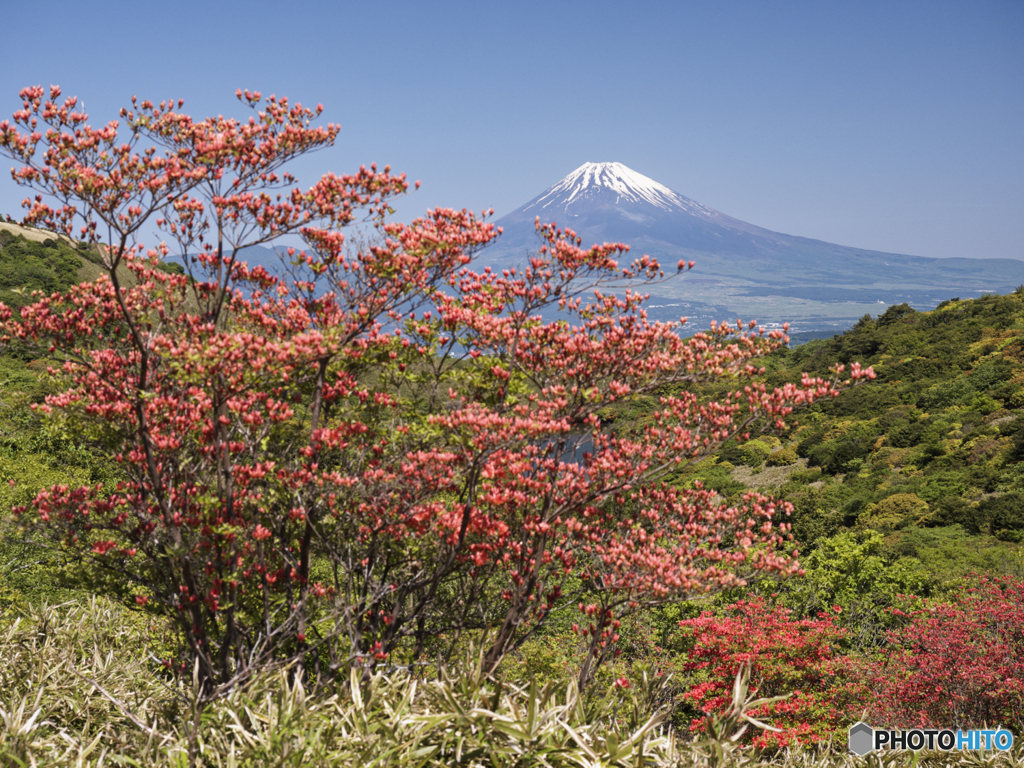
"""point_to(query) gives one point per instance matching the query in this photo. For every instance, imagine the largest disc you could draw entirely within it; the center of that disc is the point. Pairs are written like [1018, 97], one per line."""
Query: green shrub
[1014, 430]
[717, 478]
[851, 570]
[806, 476]
[835, 457]
[896, 314]
[1006, 516]
[907, 436]
[894, 512]
[809, 443]
[755, 452]
[951, 553]
[783, 458]
[947, 393]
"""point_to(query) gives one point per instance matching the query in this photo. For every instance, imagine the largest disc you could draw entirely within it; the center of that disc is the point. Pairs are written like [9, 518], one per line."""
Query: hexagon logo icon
[861, 738]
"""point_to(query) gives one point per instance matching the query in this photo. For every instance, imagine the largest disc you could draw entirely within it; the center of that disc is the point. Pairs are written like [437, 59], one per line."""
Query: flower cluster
[795, 657]
[953, 665]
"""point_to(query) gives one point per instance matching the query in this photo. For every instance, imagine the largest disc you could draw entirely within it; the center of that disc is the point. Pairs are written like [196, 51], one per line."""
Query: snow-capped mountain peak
[599, 179]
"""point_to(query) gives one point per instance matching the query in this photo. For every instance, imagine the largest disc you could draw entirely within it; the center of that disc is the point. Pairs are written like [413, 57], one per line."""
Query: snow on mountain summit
[609, 201]
[593, 180]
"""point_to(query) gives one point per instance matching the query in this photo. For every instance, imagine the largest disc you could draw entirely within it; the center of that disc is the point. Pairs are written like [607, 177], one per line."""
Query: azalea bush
[373, 446]
[953, 665]
[800, 660]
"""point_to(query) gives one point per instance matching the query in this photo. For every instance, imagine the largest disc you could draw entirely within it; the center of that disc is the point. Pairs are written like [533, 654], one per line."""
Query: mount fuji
[600, 198]
[742, 269]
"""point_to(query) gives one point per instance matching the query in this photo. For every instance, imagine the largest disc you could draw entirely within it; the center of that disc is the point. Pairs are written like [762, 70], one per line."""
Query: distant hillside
[930, 455]
[39, 260]
[31, 260]
[32, 233]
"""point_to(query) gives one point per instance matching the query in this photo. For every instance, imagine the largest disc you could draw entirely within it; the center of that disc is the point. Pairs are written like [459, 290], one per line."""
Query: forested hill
[44, 264]
[37, 260]
[929, 455]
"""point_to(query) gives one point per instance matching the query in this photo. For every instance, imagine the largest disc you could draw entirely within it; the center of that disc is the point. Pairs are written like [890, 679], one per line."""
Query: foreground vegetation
[376, 507]
[819, 634]
[77, 689]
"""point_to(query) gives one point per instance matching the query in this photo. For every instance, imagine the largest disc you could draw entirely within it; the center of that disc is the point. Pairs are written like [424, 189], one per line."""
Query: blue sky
[897, 126]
